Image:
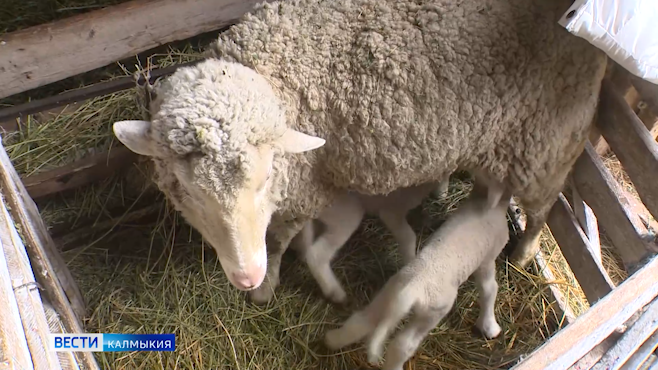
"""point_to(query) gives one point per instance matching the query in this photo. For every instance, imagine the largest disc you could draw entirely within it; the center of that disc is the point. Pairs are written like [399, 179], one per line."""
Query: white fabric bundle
[626, 30]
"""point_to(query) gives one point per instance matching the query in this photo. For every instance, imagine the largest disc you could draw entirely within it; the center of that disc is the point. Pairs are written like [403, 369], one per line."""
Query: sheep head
[218, 137]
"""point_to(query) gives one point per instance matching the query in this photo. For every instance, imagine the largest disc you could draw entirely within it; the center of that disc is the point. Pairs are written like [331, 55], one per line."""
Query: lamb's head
[218, 137]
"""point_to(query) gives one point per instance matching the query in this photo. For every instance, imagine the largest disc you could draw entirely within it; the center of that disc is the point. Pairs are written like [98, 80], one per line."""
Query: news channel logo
[84, 342]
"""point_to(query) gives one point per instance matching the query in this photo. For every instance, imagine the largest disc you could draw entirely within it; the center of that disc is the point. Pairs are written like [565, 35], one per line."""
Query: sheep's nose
[249, 279]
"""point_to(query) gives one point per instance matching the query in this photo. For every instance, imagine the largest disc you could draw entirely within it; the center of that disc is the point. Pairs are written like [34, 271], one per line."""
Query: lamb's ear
[296, 142]
[134, 135]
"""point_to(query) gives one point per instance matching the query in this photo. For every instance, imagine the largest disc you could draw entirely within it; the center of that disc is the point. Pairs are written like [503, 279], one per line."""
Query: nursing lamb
[466, 244]
[343, 217]
[305, 99]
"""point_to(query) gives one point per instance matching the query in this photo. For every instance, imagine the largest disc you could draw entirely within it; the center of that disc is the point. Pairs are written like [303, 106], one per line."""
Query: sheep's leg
[442, 189]
[485, 280]
[528, 246]
[403, 233]
[341, 220]
[264, 293]
[276, 247]
[405, 344]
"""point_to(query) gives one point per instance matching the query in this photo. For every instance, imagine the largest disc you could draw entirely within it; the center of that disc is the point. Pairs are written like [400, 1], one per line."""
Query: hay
[162, 279]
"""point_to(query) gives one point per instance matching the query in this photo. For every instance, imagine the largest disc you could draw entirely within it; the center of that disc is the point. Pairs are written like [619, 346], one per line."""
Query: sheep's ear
[296, 142]
[134, 135]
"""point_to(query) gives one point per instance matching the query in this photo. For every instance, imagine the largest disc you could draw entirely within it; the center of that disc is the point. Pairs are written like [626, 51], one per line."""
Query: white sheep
[305, 99]
[466, 244]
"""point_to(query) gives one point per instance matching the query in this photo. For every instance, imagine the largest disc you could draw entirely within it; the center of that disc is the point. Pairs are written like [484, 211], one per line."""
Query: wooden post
[578, 251]
[591, 328]
[51, 52]
[602, 192]
[632, 143]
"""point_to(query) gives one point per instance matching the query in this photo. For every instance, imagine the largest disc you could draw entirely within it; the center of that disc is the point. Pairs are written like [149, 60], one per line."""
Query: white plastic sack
[626, 30]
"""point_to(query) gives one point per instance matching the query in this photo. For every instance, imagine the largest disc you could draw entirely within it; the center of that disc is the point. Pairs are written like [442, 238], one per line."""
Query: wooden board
[631, 341]
[13, 344]
[632, 143]
[24, 286]
[597, 323]
[8, 115]
[578, 251]
[601, 191]
[643, 353]
[51, 52]
[74, 175]
[593, 356]
[48, 265]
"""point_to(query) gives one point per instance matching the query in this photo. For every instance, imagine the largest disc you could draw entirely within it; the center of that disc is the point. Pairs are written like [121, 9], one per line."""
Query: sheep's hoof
[262, 295]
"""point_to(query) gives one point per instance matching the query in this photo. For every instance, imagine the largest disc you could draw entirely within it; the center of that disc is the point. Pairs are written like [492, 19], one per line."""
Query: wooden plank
[586, 219]
[13, 344]
[33, 317]
[562, 308]
[631, 341]
[77, 95]
[51, 52]
[578, 251]
[77, 174]
[601, 191]
[643, 353]
[592, 327]
[593, 356]
[49, 266]
[632, 143]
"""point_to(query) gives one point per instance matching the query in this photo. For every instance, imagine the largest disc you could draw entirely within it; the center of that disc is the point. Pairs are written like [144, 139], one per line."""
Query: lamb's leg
[406, 237]
[341, 220]
[405, 344]
[357, 327]
[485, 280]
[528, 246]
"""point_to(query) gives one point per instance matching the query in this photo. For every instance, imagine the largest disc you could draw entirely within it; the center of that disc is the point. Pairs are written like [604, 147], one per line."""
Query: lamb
[467, 243]
[343, 217]
[305, 99]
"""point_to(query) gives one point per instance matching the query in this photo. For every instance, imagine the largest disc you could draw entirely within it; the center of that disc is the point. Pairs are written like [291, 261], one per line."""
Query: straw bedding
[154, 275]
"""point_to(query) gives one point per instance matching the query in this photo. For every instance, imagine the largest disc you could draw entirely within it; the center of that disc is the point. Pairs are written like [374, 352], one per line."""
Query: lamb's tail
[396, 308]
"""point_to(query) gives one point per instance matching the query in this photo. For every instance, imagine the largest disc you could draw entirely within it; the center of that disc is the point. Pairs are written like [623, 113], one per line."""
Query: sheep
[343, 217]
[466, 244]
[304, 99]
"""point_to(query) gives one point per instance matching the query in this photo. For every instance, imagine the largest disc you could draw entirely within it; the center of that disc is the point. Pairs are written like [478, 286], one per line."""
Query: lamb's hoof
[337, 296]
[261, 295]
[374, 358]
[490, 328]
[333, 340]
